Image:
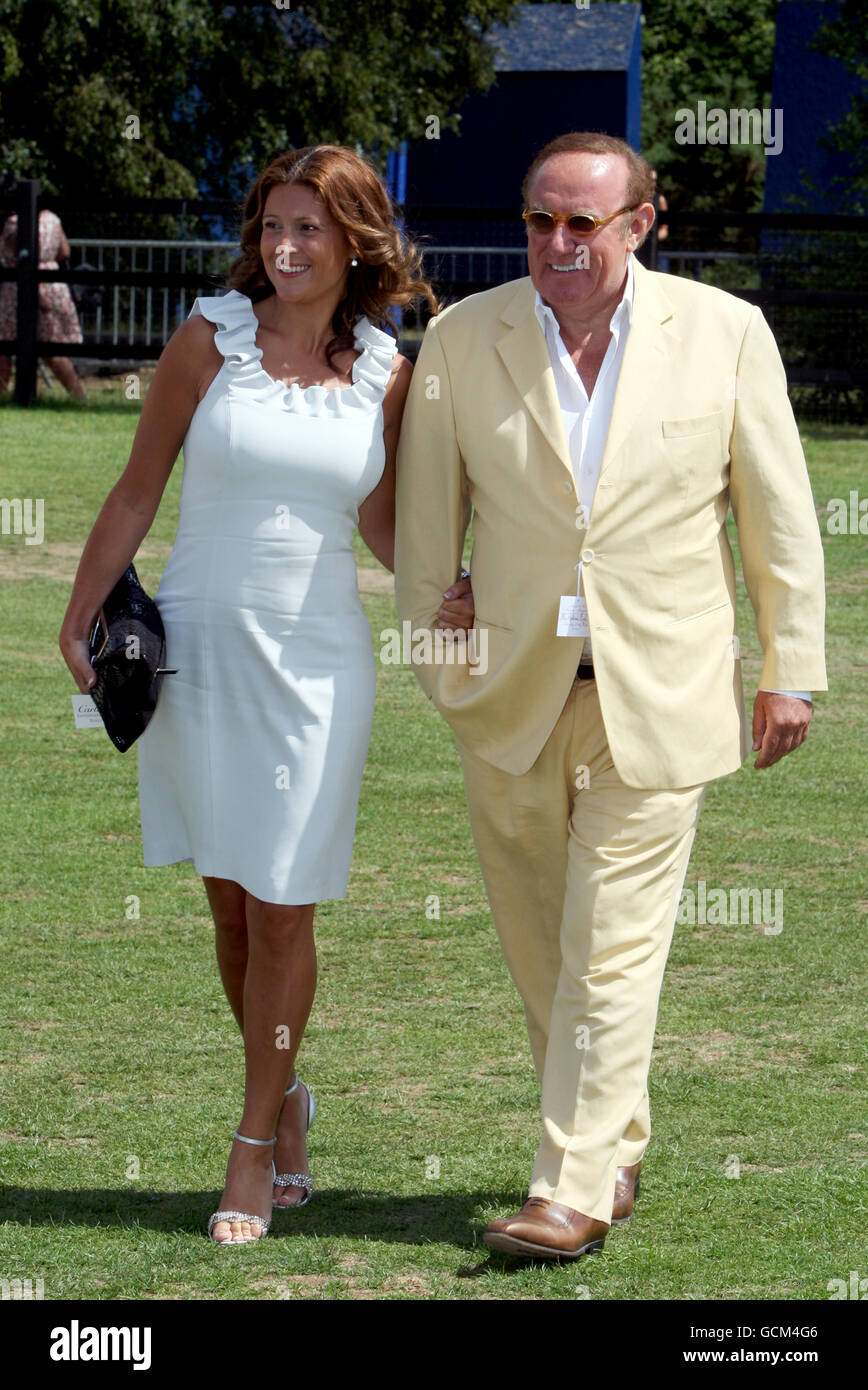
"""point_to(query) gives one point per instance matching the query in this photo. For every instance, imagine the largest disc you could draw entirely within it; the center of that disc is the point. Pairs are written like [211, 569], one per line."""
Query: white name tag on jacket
[573, 617]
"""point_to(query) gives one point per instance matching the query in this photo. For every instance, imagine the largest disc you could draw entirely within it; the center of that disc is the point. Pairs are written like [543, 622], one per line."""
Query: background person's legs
[67, 376]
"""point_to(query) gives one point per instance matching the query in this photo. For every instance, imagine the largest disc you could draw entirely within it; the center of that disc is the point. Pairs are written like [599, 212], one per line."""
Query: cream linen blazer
[701, 422]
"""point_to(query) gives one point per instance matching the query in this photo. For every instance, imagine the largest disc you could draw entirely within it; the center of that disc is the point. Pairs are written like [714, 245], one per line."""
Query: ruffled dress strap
[371, 371]
[233, 316]
[236, 324]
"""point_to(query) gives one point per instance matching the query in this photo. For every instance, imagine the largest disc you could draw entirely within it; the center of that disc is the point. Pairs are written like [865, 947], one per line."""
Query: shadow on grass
[355, 1215]
[450, 1218]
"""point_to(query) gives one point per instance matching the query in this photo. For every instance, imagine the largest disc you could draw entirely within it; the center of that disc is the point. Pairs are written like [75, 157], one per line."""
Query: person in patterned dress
[58, 320]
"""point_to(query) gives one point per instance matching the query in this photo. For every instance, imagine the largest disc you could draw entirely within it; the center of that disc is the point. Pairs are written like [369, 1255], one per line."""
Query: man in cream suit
[599, 421]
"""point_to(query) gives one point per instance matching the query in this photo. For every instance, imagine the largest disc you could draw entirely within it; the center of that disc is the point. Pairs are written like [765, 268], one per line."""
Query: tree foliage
[843, 36]
[720, 52]
[218, 88]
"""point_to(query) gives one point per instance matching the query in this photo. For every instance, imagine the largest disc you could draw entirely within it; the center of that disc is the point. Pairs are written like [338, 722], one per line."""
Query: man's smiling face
[581, 276]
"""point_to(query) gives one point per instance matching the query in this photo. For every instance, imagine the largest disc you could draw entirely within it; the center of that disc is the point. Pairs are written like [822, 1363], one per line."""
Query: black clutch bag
[128, 654]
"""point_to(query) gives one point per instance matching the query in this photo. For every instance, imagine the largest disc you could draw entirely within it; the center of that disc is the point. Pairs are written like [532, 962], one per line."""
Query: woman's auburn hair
[355, 196]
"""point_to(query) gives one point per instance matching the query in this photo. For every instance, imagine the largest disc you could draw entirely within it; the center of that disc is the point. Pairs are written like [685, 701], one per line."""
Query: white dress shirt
[586, 418]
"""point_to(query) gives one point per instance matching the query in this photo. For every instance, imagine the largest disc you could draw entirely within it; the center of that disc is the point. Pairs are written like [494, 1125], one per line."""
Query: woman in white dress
[287, 397]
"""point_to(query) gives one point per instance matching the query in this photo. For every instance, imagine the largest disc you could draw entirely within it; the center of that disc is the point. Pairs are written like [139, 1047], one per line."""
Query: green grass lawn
[122, 1067]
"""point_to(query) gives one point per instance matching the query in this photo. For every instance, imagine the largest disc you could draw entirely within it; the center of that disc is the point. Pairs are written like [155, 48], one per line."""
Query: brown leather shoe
[626, 1192]
[548, 1230]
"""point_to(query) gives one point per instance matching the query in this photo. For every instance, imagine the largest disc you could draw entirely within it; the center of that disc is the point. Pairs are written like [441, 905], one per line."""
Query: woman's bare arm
[189, 363]
[377, 512]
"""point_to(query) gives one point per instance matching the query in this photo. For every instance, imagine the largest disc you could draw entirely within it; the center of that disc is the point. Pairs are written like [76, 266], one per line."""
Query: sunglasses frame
[558, 217]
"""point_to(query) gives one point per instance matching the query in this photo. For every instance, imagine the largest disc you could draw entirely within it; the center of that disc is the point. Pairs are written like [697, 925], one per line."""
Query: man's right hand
[780, 725]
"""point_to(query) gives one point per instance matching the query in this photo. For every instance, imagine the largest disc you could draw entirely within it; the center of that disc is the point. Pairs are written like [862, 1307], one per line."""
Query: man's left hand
[780, 724]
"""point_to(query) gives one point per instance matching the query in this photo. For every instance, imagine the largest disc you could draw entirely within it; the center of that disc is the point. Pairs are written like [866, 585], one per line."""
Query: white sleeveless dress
[252, 763]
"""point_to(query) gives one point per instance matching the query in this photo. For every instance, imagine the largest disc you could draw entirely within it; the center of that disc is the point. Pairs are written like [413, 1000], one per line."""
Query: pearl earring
[354, 261]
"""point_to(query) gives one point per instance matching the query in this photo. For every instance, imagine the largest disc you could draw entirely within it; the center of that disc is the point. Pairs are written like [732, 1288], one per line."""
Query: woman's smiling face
[305, 252]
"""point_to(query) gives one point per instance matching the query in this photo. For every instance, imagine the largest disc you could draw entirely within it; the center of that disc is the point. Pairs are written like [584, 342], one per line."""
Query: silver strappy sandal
[262, 1221]
[298, 1179]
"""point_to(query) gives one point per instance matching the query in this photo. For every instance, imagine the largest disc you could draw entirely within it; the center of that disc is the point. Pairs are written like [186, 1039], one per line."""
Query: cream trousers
[583, 875]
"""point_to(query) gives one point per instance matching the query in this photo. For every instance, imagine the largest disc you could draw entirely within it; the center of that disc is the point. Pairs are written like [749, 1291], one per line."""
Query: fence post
[652, 236]
[27, 332]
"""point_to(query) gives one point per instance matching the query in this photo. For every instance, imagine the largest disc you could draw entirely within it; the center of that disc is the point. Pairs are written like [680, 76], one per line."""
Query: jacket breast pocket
[680, 449]
[689, 452]
[695, 425]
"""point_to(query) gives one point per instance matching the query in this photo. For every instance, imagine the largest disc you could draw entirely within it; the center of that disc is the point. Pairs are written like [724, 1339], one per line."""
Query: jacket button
[567, 486]
[587, 556]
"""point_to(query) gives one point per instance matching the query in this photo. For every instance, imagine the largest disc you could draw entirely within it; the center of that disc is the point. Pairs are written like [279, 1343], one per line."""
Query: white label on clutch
[573, 617]
[87, 716]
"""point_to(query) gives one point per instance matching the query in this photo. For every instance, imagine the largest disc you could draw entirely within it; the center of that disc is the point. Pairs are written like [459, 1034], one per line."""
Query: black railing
[27, 346]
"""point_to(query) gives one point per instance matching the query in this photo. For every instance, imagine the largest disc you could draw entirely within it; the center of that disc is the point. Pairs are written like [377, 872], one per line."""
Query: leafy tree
[175, 97]
[76, 71]
[720, 52]
[843, 36]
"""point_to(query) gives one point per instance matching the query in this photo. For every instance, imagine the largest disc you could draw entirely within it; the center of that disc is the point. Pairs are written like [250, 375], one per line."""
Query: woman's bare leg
[5, 371]
[277, 995]
[67, 376]
[227, 901]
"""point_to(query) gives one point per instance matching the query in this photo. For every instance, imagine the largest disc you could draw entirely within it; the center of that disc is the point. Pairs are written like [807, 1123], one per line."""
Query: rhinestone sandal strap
[294, 1180]
[238, 1216]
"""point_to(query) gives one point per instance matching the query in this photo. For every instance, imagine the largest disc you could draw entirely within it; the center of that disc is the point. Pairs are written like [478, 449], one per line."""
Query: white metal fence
[126, 313]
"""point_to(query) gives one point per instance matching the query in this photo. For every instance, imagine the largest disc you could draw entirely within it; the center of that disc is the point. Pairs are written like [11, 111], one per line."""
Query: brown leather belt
[585, 672]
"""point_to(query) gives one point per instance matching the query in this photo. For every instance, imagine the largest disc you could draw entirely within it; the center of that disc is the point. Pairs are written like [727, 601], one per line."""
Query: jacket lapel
[525, 355]
[646, 354]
